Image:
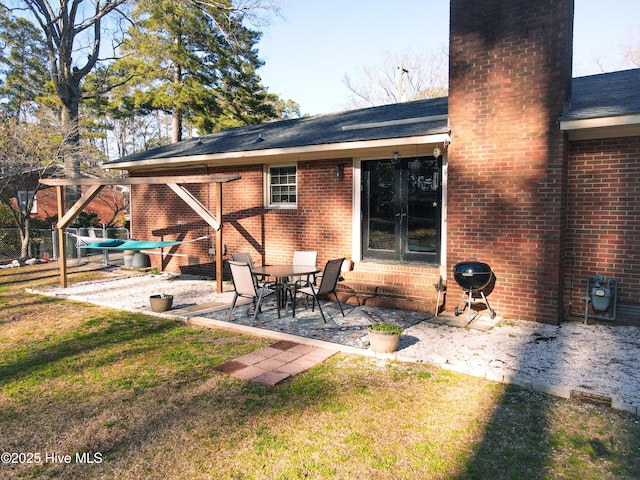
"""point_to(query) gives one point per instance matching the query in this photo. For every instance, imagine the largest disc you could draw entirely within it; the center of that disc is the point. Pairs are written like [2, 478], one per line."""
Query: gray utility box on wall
[603, 295]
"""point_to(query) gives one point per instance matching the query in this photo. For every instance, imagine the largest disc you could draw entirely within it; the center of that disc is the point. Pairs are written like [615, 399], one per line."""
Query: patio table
[281, 273]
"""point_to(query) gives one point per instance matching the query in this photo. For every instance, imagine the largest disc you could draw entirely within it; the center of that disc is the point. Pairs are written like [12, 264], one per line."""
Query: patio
[350, 330]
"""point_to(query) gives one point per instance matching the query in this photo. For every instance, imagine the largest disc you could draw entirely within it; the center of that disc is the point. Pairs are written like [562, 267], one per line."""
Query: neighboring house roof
[7, 172]
[607, 105]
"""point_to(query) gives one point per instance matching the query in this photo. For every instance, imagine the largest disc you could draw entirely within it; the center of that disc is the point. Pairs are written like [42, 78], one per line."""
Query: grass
[139, 396]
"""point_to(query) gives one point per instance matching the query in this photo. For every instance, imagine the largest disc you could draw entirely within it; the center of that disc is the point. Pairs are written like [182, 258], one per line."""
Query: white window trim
[267, 188]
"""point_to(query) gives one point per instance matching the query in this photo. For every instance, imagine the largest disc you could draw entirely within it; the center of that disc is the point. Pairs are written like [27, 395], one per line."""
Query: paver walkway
[275, 363]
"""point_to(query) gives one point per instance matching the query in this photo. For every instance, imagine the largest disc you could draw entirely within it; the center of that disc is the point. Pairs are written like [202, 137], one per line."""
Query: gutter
[310, 152]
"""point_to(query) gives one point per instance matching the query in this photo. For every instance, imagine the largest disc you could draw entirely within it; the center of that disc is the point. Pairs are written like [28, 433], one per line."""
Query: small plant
[386, 327]
[154, 271]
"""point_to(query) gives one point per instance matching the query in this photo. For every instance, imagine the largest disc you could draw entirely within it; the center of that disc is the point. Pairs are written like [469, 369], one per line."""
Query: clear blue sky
[309, 51]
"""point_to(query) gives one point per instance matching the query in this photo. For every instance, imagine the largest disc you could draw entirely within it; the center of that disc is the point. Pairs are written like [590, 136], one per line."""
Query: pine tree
[196, 63]
[23, 66]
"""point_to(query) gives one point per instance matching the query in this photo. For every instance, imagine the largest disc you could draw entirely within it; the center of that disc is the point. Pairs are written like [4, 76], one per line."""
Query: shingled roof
[399, 120]
[594, 96]
[605, 95]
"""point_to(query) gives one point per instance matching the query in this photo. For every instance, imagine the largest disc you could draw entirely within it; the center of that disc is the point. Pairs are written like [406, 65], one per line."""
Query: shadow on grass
[11, 312]
[103, 331]
[43, 272]
[516, 440]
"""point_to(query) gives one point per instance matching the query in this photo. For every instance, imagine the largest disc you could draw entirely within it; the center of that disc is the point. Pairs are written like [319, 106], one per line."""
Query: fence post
[105, 252]
[54, 244]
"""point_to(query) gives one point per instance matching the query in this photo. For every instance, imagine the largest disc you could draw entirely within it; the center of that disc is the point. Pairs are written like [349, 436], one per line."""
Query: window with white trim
[282, 186]
[23, 197]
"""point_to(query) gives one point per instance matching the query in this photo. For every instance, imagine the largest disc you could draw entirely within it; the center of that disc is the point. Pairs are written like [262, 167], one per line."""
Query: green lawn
[123, 395]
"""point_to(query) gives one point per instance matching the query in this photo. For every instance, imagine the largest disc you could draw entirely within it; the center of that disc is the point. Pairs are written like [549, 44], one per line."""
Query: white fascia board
[259, 156]
[587, 123]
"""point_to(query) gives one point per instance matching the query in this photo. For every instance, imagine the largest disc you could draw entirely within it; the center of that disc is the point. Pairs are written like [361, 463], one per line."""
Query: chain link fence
[44, 243]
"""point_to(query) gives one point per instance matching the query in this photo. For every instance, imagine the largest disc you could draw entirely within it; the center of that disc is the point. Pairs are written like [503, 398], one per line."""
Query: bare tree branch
[400, 77]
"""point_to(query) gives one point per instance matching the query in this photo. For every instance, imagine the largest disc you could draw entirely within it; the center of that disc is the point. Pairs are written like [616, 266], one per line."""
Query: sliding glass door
[401, 209]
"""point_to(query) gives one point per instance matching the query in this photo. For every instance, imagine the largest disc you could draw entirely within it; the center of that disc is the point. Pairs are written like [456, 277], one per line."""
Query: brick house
[111, 205]
[521, 167]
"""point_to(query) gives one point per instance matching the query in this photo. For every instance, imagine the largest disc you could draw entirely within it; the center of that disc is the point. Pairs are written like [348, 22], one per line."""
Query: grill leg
[467, 304]
[493, 314]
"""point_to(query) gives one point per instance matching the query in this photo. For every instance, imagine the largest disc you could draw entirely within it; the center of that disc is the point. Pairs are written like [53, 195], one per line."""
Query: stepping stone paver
[275, 363]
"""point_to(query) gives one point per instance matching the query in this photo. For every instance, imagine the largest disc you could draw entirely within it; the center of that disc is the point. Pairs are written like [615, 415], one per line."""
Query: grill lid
[471, 275]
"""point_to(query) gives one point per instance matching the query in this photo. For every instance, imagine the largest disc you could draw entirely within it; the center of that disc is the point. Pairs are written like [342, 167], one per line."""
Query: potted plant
[384, 337]
[161, 303]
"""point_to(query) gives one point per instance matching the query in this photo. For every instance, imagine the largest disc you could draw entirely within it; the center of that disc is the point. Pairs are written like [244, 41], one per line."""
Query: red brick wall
[603, 218]
[155, 214]
[510, 71]
[321, 222]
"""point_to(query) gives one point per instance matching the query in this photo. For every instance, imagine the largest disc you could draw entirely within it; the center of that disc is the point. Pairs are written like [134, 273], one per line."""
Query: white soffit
[603, 127]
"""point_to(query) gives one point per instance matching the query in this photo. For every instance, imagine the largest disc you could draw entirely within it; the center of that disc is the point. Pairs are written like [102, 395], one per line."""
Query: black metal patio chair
[328, 284]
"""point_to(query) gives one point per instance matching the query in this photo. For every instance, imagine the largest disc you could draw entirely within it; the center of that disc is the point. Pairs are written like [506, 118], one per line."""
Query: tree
[23, 66]
[400, 78]
[73, 32]
[195, 62]
[632, 51]
[286, 108]
[81, 67]
[28, 152]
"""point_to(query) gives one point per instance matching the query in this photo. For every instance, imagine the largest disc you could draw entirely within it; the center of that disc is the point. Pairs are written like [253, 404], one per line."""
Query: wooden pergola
[175, 183]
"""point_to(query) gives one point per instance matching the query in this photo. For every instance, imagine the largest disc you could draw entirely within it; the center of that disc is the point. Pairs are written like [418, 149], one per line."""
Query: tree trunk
[71, 141]
[24, 239]
[176, 116]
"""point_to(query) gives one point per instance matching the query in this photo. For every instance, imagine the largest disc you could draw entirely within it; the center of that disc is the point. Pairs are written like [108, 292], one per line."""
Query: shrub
[386, 327]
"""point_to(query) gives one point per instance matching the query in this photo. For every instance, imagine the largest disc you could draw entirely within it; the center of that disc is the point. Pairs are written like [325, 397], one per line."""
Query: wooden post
[62, 244]
[64, 220]
[219, 252]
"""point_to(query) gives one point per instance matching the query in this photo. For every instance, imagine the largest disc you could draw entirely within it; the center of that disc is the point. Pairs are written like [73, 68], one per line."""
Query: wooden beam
[96, 184]
[85, 199]
[214, 178]
[219, 247]
[195, 204]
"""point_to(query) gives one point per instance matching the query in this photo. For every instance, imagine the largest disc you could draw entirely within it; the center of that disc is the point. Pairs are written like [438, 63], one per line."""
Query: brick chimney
[510, 80]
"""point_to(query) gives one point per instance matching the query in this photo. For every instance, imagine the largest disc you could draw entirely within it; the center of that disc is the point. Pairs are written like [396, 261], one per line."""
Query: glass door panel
[423, 209]
[382, 232]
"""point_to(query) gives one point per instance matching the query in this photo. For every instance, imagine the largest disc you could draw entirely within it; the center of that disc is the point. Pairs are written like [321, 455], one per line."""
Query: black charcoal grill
[473, 277]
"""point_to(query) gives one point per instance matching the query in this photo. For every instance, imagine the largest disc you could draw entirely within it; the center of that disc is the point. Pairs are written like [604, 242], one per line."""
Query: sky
[313, 44]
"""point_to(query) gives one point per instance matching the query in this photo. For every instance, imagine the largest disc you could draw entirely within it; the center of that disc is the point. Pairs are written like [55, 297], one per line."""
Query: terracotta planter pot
[382, 342]
[161, 303]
